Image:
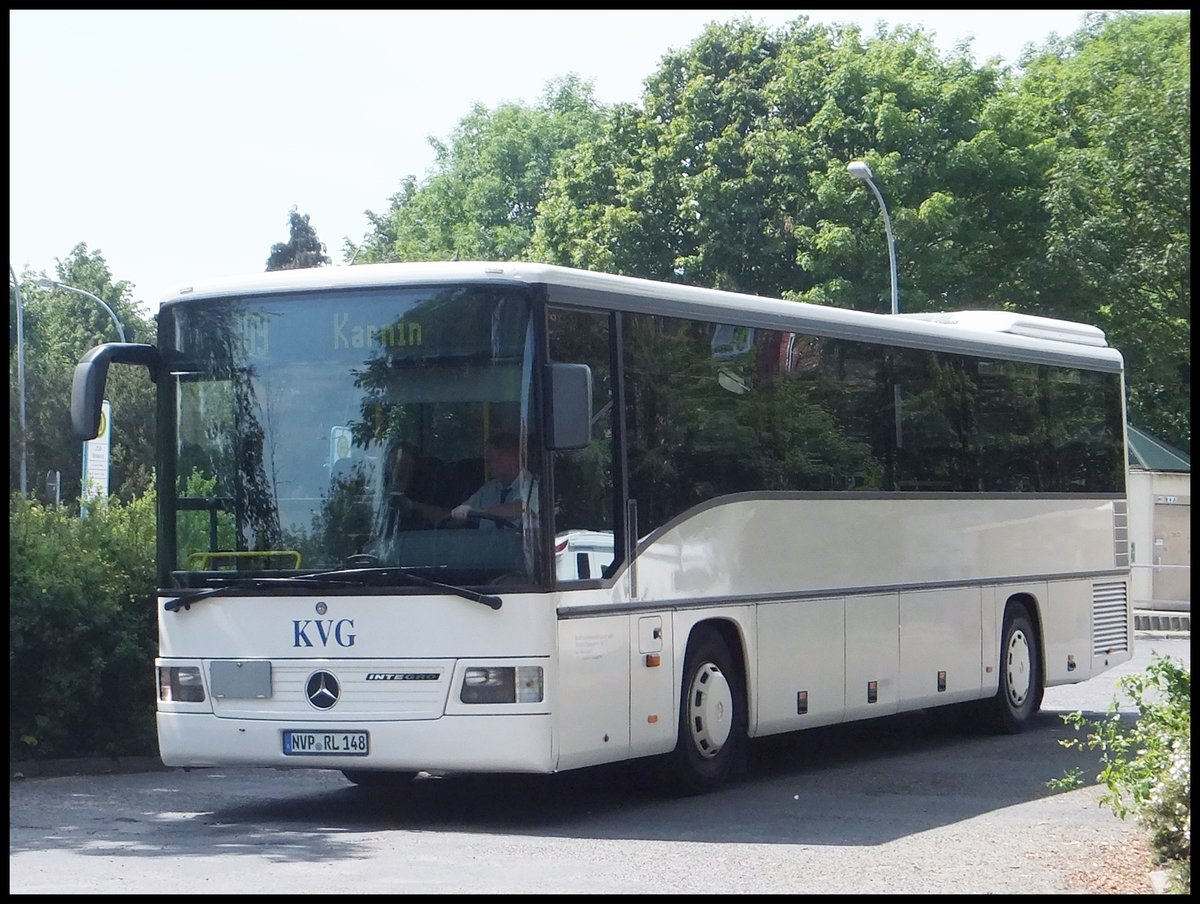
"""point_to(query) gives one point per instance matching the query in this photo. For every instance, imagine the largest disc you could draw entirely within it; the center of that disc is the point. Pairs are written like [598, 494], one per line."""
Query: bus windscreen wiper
[355, 576]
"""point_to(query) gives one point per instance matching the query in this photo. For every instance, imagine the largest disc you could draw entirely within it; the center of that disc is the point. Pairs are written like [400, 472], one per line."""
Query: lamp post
[47, 283]
[859, 170]
[20, 370]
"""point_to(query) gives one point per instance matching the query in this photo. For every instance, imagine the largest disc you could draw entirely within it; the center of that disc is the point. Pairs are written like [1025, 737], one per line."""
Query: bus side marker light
[653, 660]
[872, 691]
[652, 718]
[941, 683]
[801, 702]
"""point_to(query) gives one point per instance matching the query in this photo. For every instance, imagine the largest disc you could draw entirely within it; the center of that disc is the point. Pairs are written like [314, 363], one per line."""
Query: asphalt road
[900, 805]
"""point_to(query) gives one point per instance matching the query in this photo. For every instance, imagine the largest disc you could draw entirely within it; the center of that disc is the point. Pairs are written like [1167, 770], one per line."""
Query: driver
[510, 489]
[505, 496]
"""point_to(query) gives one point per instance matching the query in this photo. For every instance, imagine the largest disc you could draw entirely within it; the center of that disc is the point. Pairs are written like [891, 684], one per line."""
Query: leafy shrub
[82, 631]
[1148, 767]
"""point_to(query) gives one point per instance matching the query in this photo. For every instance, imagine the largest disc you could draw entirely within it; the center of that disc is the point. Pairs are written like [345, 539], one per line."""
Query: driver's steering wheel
[474, 518]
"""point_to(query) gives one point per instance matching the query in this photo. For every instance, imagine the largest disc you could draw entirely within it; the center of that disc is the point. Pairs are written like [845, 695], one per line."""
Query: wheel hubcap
[1017, 671]
[710, 710]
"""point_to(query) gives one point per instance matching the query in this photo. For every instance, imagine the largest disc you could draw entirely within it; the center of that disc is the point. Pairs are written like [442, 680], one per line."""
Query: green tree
[1062, 191]
[613, 203]
[59, 328]
[733, 173]
[480, 200]
[302, 250]
[1115, 100]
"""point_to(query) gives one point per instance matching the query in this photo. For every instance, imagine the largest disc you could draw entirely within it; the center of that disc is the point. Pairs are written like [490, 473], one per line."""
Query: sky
[175, 142]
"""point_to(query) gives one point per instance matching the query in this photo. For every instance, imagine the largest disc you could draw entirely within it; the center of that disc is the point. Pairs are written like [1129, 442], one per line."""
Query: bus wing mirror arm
[91, 373]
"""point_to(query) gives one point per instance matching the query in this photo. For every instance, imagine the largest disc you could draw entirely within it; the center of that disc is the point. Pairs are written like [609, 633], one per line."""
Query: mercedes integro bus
[796, 516]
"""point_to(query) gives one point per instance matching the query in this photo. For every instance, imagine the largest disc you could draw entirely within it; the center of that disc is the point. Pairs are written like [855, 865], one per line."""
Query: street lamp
[20, 369]
[859, 170]
[46, 283]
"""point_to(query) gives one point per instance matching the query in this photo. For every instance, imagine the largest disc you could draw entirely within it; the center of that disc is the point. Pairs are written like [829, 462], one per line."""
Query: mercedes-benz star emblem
[322, 690]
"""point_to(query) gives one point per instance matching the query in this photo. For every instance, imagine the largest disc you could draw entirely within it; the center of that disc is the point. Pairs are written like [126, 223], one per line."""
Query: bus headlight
[180, 684]
[502, 684]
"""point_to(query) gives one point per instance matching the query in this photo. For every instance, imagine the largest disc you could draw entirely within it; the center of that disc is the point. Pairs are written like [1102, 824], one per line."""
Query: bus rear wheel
[712, 716]
[1019, 696]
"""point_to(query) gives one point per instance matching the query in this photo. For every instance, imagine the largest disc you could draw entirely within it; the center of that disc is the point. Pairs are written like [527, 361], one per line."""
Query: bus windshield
[357, 428]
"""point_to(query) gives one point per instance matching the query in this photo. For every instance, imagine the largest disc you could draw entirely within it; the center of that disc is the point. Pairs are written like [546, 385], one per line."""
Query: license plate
[324, 743]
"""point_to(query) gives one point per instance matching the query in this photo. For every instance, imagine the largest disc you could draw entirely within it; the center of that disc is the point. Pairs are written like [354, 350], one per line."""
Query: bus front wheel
[712, 716]
[1019, 696]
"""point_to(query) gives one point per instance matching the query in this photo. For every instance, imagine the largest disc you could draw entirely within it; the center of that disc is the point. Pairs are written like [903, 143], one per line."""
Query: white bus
[792, 516]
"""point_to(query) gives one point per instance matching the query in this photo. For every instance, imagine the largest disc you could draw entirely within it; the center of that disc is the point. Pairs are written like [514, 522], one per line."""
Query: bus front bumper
[517, 743]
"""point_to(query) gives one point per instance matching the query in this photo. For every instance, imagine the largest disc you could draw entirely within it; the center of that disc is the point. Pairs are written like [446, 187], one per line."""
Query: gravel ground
[1113, 868]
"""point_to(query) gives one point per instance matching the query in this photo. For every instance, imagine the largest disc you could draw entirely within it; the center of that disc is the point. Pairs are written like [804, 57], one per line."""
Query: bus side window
[583, 478]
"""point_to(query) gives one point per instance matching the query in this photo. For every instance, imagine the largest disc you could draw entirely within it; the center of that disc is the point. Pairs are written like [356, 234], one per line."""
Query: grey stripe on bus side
[565, 612]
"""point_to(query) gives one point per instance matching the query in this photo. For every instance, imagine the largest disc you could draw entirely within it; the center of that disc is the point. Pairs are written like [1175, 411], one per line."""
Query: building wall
[1161, 534]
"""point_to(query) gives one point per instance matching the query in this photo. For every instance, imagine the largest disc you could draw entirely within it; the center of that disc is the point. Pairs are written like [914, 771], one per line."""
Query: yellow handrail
[203, 560]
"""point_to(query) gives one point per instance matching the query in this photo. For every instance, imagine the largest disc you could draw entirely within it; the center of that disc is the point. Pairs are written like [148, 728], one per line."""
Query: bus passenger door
[593, 698]
[651, 673]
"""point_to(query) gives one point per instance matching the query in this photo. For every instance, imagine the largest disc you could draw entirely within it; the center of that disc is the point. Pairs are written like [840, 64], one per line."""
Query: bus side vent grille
[1110, 618]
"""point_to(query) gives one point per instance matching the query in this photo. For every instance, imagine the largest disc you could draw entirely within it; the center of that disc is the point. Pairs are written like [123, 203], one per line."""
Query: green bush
[1148, 767]
[82, 631]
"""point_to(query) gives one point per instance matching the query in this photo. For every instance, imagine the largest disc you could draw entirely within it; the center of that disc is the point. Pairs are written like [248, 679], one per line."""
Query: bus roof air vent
[1020, 325]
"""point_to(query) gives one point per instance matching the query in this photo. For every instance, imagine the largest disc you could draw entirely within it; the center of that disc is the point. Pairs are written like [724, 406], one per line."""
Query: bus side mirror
[91, 373]
[570, 396]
